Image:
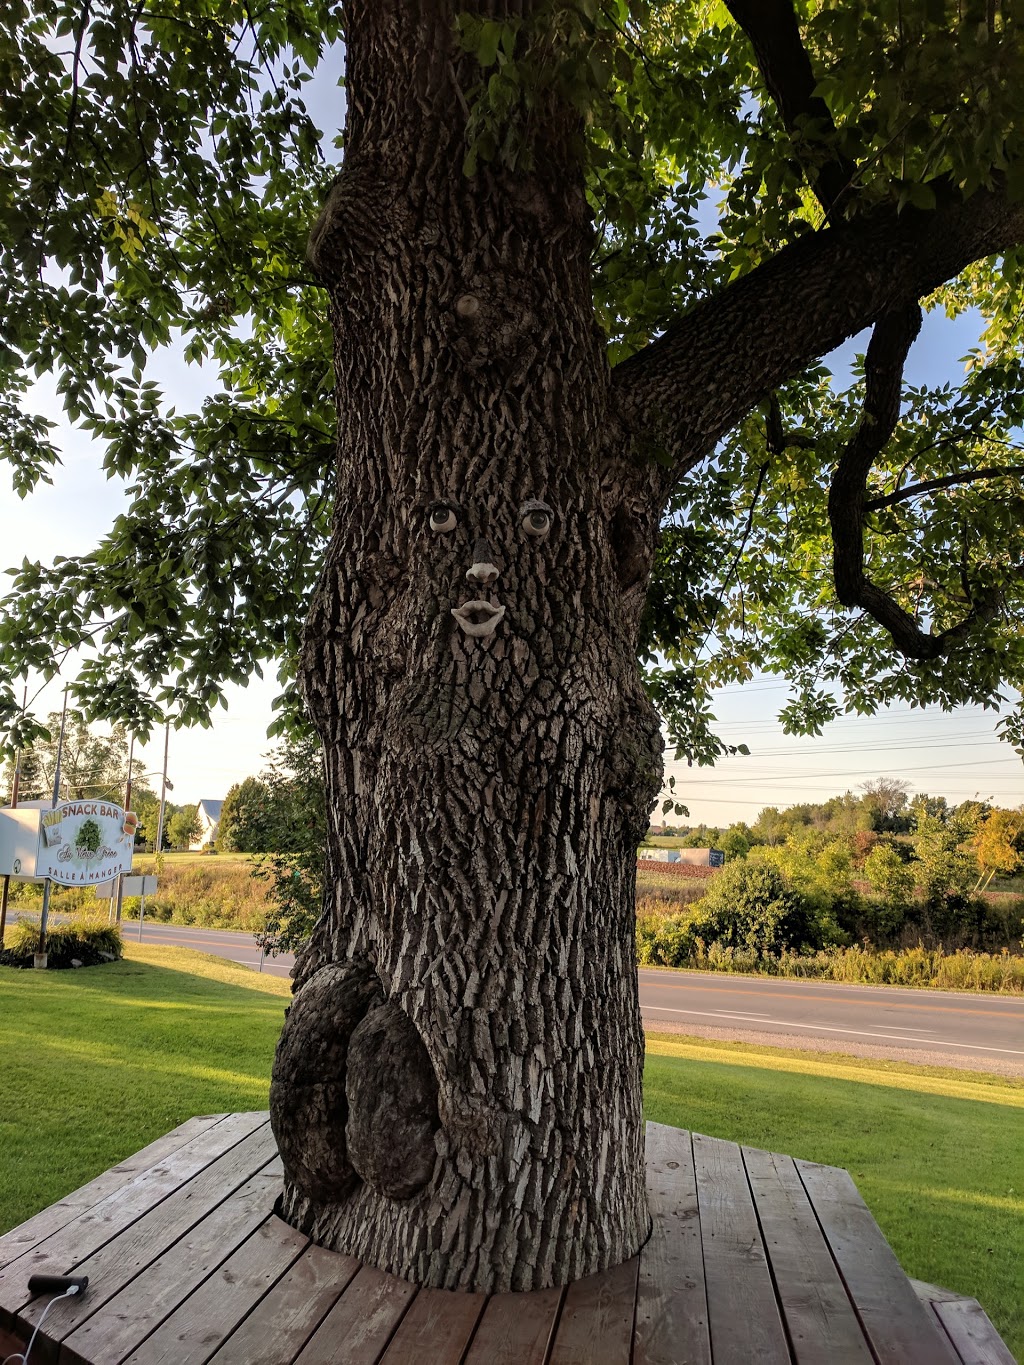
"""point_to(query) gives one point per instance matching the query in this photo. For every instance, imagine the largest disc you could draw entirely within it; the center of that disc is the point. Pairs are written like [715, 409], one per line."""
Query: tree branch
[915, 490]
[771, 26]
[685, 390]
[883, 381]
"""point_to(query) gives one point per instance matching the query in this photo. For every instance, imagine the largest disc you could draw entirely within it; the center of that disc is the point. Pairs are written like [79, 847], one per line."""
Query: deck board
[734, 1255]
[671, 1308]
[821, 1322]
[516, 1329]
[221, 1303]
[119, 1262]
[971, 1333]
[897, 1324]
[281, 1324]
[101, 1223]
[362, 1322]
[438, 1327]
[140, 1307]
[753, 1257]
[596, 1325]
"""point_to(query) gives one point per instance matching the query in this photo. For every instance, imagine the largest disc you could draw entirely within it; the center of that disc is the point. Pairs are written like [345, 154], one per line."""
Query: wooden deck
[755, 1259]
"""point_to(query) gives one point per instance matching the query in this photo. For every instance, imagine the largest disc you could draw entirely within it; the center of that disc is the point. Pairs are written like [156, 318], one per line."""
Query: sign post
[15, 784]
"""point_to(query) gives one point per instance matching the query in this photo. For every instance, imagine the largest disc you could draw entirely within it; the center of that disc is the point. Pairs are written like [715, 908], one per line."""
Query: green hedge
[88, 944]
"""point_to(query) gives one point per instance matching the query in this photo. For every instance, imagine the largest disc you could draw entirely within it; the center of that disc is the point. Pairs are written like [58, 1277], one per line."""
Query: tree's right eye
[442, 518]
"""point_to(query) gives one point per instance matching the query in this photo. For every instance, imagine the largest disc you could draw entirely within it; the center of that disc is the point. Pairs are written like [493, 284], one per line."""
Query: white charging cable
[21, 1358]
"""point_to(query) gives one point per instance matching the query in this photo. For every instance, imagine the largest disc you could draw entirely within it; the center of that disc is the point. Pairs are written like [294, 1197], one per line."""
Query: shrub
[749, 906]
[81, 941]
[893, 879]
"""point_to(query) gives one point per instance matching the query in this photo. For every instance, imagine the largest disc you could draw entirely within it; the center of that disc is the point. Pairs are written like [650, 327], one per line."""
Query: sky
[953, 754]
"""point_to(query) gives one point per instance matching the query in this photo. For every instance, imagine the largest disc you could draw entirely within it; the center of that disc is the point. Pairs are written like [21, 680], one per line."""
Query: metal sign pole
[127, 806]
[142, 913]
[163, 793]
[39, 959]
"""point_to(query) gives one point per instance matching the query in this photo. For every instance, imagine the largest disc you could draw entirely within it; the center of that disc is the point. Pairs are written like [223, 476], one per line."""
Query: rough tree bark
[456, 1093]
[457, 1090]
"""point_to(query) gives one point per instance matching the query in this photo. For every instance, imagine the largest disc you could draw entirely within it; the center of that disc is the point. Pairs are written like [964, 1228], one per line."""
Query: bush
[749, 906]
[87, 943]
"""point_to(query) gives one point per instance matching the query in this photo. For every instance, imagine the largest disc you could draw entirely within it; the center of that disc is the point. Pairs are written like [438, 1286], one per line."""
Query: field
[99, 1062]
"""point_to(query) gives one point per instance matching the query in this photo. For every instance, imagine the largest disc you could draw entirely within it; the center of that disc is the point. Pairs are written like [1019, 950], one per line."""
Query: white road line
[854, 1032]
[728, 1014]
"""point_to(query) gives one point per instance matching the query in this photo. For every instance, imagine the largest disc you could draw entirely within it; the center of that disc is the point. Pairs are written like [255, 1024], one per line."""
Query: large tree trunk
[457, 1091]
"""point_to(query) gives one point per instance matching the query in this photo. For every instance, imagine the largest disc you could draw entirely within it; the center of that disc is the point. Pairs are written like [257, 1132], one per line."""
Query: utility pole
[127, 806]
[40, 958]
[15, 783]
[163, 792]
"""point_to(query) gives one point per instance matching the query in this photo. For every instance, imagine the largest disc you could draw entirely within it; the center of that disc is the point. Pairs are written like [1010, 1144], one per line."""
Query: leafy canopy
[160, 171]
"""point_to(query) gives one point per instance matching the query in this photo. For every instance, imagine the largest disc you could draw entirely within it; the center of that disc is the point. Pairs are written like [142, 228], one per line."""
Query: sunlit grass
[937, 1154]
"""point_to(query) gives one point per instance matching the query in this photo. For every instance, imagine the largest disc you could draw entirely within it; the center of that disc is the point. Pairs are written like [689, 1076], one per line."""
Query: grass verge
[97, 1063]
[936, 1153]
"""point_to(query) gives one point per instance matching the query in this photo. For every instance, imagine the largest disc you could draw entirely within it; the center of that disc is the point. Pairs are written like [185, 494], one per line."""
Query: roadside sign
[133, 886]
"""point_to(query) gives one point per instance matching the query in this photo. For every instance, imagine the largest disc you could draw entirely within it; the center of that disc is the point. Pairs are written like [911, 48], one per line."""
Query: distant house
[692, 857]
[209, 821]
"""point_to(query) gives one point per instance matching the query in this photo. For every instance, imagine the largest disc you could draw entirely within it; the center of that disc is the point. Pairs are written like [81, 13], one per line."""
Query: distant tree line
[882, 869]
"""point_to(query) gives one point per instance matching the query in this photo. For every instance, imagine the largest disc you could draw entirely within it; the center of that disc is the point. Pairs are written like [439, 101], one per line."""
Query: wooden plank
[742, 1309]
[438, 1327]
[194, 1331]
[49, 1220]
[118, 1262]
[84, 1235]
[898, 1326]
[932, 1293]
[671, 1304]
[281, 1324]
[361, 1323]
[972, 1335]
[127, 1319]
[822, 1325]
[596, 1324]
[516, 1328]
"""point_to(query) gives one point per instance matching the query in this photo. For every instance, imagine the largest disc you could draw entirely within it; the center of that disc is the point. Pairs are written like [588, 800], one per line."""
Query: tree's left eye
[442, 518]
[537, 521]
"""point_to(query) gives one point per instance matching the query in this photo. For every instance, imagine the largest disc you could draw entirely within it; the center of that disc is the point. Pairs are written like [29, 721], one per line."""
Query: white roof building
[209, 820]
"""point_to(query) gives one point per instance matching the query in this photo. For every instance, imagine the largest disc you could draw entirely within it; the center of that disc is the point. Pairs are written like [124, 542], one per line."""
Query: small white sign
[84, 843]
[140, 886]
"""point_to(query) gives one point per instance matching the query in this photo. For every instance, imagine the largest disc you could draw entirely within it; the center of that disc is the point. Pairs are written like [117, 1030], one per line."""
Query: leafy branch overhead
[765, 181]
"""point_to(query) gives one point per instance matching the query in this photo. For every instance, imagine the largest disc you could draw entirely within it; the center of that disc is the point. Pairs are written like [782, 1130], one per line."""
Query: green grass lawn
[99, 1062]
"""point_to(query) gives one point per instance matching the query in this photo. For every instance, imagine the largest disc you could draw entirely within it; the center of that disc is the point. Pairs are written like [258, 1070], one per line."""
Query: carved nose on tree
[484, 567]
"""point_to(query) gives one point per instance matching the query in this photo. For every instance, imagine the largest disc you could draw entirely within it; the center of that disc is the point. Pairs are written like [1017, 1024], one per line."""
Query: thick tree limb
[887, 352]
[772, 28]
[684, 391]
[916, 490]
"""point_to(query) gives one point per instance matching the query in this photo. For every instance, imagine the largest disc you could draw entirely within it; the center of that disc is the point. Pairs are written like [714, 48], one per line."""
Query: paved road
[981, 1032]
[944, 1028]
